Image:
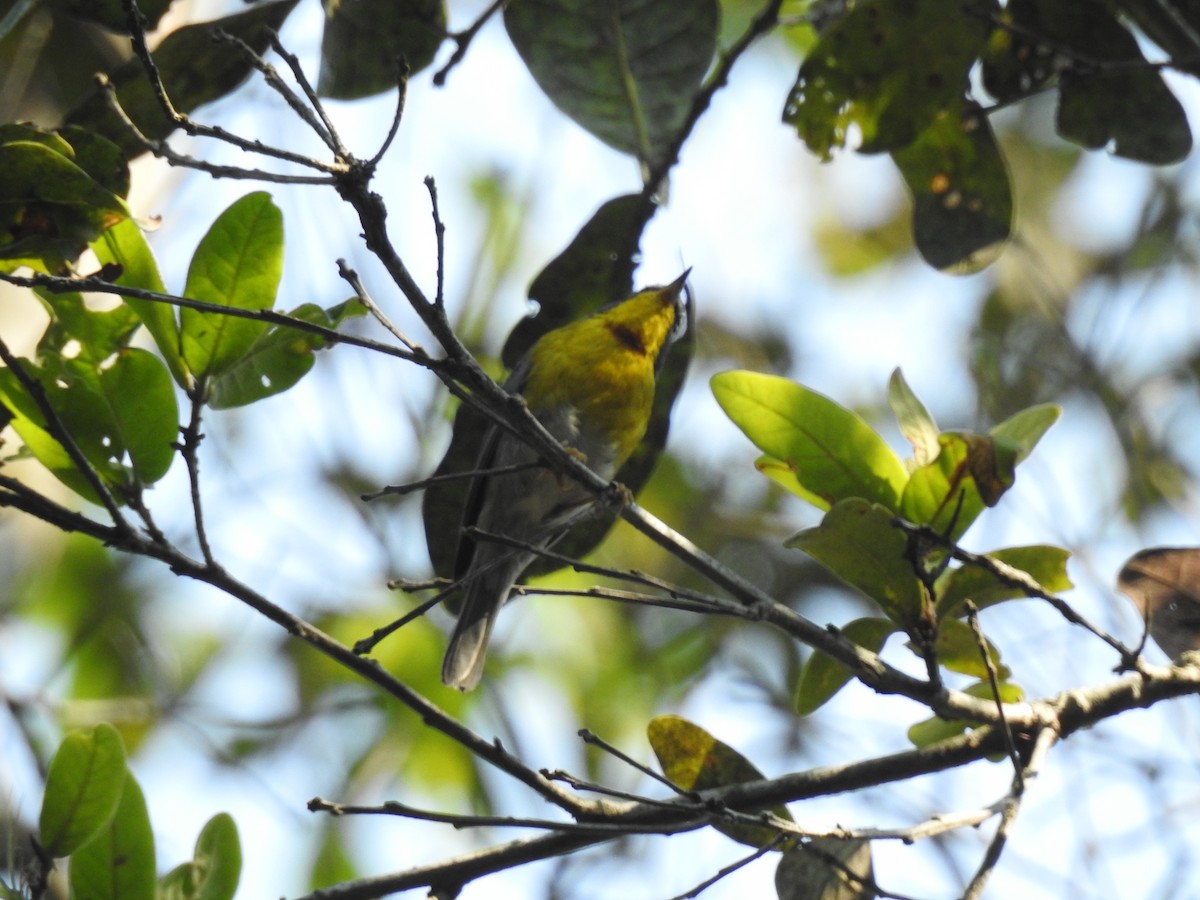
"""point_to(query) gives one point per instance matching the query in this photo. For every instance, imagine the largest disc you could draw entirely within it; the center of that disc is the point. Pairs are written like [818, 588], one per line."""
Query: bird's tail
[463, 663]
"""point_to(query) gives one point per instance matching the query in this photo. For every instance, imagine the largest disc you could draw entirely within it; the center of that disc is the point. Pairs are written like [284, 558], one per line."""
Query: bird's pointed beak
[678, 284]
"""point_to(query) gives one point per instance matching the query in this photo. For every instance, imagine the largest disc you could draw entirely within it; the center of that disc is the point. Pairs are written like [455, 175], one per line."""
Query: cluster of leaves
[898, 75]
[94, 813]
[116, 402]
[832, 458]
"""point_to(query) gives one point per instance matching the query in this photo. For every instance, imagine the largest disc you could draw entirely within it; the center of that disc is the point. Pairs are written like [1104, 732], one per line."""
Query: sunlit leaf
[916, 422]
[238, 263]
[857, 542]
[694, 760]
[215, 870]
[834, 454]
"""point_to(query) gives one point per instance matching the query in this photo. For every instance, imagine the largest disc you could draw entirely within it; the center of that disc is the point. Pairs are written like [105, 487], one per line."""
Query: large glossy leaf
[831, 452]
[625, 70]
[826, 869]
[364, 41]
[238, 263]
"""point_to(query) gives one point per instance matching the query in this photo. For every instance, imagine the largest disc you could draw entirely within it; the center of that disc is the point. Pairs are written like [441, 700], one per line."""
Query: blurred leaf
[279, 358]
[1044, 564]
[826, 869]
[1109, 96]
[916, 422]
[50, 208]
[80, 332]
[214, 872]
[111, 13]
[83, 789]
[625, 71]
[823, 676]
[118, 863]
[364, 41]
[887, 69]
[962, 199]
[238, 263]
[1164, 584]
[847, 251]
[833, 453]
[194, 68]
[857, 542]
[694, 760]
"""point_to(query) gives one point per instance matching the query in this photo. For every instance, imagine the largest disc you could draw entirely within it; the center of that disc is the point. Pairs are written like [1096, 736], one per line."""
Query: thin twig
[994, 683]
[189, 450]
[350, 276]
[414, 486]
[462, 40]
[439, 231]
[591, 738]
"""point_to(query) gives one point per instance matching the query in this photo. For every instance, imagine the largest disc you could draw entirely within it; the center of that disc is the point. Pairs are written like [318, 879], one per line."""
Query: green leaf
[962, 198]
[83, 788]
[930, 731]
[945, 492]
[826, 869]
[214, 872]
[857, 542]
[50, 208]
[118, 862]
[916, 422]
[886, 68]
[626, 71]
[1023, 430]
[365, 40]
[957, 649]
[1044, 564]
[1115, 99]
[823, 676]
[125, 245]
[694, 760]
[832, 452]
[279, 358]
[194, 68]
[121, 412]
[238, 263]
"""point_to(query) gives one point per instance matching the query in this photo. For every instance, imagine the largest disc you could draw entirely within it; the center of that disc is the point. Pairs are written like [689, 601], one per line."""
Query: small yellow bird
[591, 384]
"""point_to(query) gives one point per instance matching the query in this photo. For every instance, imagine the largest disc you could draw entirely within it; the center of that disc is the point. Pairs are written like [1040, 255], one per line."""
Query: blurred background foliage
[1090, 305]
